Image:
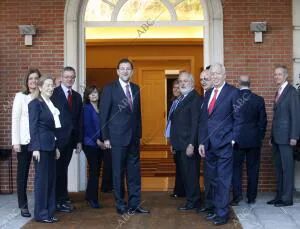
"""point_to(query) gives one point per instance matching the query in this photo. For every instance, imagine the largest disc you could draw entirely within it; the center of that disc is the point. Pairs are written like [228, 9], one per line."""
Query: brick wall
[242, 55]
[15, 58]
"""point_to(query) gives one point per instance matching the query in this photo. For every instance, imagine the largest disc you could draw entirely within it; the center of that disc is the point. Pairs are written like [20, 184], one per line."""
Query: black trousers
[284, 165]
[179, 185]
[190, 170]
[94, 156]
[62, 171]
[126, 159]
[44, 186]
[107, 182]
[24, 159]
[252, 156]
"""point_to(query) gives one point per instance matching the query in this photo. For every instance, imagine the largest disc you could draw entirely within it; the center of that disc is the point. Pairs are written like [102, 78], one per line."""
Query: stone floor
[256, 216]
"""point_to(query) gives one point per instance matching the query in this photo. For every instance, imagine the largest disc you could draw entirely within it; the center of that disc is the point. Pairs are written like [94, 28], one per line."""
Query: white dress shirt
[20, 119]
[123, 85]
[55, 112]
[282, 87]
[213, 92]
[65, 89]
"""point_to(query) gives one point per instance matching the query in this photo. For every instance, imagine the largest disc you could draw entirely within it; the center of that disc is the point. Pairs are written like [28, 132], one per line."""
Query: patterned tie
[212, 102]
[277, 95]
[70, 99]
[128, 95]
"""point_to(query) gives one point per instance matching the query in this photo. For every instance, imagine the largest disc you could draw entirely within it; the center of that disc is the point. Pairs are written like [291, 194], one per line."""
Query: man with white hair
[217, 138]
[183, 137]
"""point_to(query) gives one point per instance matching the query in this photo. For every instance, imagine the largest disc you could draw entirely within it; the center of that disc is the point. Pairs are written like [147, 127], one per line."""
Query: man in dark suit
[206, 83]
[217, 138]
[252, 128]
[69, 136]
[183, 137]
[122, 131]
[284, 136]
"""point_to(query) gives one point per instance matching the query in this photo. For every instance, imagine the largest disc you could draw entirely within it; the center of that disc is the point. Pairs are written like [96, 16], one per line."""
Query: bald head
[244, 81]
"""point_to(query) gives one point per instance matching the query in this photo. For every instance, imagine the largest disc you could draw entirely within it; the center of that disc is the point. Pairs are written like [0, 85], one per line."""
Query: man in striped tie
[217, 138]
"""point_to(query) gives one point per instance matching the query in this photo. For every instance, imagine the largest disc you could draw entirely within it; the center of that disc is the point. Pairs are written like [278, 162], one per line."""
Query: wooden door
[153, 100]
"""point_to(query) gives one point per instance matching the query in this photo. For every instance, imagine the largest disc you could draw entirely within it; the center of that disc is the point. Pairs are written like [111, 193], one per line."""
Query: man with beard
[183, 136]
[121, 131]
[217, 138]
[206, 83]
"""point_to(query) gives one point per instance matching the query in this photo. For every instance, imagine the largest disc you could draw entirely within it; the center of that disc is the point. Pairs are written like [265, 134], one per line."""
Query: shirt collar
[244, 88]
[65, 89]
[220, 88]
[281, 88]
[123, 84]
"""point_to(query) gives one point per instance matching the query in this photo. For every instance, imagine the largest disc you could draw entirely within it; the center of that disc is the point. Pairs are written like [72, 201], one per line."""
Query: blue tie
[172, 109]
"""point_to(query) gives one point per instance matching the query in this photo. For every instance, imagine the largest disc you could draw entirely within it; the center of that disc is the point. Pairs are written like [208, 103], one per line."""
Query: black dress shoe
[122, 211]
[283, 203]
[63, 208]
[173, 195]
[25, 212]
[94, 204]
[251, 201]
[204, 209]
[210, 216]
[54, 219]
[272, 202]
[235, 201]
[45, 221]
[186, 208]
[138, 210]
[220, 221]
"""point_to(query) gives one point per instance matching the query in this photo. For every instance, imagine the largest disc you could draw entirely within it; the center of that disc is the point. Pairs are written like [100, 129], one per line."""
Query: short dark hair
[69, 69]
[175, 82]
[87, 91]
[124, 60]
[26, 90]
[207, 67]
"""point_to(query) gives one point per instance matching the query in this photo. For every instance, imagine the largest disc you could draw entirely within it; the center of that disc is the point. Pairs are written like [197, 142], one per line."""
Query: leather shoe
[251, 201]
[186, 208]
[63, 208]
[211, 216]
[220, 221]
[235, 201]
[204, 209]
[283, 204]
[272, 202]
[45, 221]
[25, 212]
[173, 195]
[138, 210]
[54, 219]
[122, 211]
[94, 204]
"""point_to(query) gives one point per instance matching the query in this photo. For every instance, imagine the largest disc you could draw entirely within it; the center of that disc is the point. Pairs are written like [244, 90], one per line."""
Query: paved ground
[255, 216]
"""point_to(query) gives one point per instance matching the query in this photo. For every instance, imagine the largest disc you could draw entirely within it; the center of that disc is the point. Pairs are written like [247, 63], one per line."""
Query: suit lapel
[122, 95]
[283, 94]
[182, 103]
[64, 98]
[47, 109]
[219, 98]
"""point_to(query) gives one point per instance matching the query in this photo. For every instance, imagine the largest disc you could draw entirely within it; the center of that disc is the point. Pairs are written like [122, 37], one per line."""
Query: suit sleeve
[294, 107]
[195, 111]
[34, 110]
[237, 102]
[139, 114]
[88, 129]
[16, 117]
[105, 110]
[263, 121]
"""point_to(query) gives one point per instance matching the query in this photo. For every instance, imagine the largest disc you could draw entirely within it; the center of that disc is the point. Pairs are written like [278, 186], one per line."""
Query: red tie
[70, 99]
[212, 102]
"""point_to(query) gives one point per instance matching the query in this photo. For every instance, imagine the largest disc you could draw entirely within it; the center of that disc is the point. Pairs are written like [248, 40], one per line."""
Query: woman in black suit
[93, 145]
[43, 119]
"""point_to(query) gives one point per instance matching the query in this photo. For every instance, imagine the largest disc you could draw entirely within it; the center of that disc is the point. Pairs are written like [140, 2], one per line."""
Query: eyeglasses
[125, 69]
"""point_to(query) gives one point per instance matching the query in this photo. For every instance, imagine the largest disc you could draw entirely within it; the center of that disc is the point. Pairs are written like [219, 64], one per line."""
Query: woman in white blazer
[21, 136]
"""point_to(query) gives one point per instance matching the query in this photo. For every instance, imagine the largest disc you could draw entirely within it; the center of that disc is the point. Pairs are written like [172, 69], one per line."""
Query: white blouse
[20, 119]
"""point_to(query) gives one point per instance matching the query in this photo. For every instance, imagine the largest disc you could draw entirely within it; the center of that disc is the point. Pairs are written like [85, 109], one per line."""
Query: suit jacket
[220, 127]
[41, 126]
[120, 124]
[184, 122]
[253, 120]
[71, 120]
[20, 121]
[91, 125]
[286, 122]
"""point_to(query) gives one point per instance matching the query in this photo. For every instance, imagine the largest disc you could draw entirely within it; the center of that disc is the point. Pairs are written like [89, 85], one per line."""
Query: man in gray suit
[284, 136]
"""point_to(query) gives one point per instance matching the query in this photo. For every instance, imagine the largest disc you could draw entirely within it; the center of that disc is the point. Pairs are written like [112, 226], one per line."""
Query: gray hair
[217, 67]
[189, 76]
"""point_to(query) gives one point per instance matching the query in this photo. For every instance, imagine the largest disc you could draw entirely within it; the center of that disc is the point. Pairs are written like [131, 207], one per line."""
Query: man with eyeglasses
[69, 136]
[121, 131]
